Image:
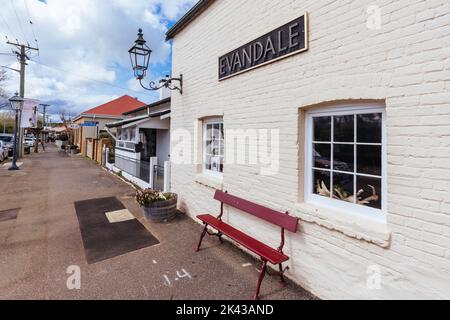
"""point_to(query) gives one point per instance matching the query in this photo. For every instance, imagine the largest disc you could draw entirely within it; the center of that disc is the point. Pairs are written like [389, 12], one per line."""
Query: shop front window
[345, 158]
[213, 147]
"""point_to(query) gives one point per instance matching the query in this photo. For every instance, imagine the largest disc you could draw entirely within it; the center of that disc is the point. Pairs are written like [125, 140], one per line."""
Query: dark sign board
[292, 38]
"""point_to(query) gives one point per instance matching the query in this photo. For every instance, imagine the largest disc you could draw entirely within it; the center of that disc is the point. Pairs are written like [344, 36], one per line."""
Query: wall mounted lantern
[140, 57]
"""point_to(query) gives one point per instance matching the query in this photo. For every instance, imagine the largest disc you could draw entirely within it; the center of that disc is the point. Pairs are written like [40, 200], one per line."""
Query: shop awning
[136, 120]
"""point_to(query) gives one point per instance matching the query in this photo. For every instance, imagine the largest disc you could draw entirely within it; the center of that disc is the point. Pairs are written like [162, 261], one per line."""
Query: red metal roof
[116, 107]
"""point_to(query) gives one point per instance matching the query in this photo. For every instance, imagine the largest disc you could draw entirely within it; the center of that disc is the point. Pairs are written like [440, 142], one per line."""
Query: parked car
[3, 151]
[29, 142]
[8, 141]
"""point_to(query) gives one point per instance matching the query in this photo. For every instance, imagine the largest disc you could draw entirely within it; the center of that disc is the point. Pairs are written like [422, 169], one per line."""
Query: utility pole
[22, 56]
[44, 136]
[45, 109]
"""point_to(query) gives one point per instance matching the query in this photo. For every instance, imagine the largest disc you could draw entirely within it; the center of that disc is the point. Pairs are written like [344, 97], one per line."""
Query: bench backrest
[275, 217]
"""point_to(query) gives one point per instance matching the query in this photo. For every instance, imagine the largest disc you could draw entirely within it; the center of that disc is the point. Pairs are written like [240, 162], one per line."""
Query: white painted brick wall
[406, 62]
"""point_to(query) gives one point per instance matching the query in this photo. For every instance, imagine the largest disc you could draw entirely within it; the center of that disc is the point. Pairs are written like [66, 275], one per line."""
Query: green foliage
[148, 196]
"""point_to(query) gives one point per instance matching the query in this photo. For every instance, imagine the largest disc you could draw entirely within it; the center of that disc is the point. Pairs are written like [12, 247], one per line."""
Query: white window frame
[334, 204]
[207, 122]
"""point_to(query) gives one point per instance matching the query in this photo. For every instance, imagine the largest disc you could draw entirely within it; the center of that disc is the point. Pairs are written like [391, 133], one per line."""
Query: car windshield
[6, 138]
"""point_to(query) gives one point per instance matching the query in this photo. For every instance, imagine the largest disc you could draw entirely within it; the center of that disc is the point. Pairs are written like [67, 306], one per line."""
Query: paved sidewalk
[37, 248]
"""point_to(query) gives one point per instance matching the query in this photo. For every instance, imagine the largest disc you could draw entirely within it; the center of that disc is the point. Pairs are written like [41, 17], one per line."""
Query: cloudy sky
[83, 59]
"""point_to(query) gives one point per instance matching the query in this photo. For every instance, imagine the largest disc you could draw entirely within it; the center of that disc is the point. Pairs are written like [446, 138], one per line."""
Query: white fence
[143, 173]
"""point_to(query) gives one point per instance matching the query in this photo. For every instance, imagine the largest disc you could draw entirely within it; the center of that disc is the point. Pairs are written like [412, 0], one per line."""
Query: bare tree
[63, 117]
[3, 78]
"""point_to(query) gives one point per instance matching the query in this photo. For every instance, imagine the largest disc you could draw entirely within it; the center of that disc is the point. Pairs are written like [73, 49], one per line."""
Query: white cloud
[83, 47]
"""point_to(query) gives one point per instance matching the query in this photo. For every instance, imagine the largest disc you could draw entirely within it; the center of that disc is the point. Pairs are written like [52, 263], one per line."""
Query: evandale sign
[290, 39]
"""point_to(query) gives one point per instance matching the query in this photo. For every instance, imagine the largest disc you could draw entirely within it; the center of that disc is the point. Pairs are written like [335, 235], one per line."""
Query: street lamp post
[140, 58]
[16, 105]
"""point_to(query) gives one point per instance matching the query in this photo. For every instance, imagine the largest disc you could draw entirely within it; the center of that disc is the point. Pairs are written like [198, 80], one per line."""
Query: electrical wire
[7, 26]
[31, 25]
[19, 22]
[98, 81]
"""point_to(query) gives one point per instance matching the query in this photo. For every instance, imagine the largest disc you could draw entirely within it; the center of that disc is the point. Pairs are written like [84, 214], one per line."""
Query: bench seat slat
[278, 218]
[261, 249]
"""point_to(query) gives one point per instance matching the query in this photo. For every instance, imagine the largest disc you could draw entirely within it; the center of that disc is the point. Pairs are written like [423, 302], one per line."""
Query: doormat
[9, 214]
[104, 240]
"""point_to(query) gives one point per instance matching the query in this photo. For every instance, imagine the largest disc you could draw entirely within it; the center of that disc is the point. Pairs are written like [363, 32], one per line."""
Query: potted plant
[158, 206]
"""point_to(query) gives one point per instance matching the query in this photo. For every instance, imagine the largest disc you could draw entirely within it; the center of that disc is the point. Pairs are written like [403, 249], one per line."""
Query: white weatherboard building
[356, 104]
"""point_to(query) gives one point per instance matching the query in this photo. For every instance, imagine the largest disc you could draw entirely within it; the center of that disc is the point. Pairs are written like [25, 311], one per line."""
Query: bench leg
[280, 267]
[260, 279]
[201, 237]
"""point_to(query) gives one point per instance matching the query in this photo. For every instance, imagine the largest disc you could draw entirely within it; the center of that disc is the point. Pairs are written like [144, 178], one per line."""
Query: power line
[31, 24]
[6, 67]
[18, 20]
[7, 26]
[95, 80]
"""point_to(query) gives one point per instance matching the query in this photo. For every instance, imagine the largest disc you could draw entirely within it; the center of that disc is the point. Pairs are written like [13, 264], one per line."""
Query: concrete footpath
[38, 247]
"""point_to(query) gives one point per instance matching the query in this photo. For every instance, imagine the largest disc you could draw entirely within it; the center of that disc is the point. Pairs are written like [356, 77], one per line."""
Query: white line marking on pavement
[146, 292]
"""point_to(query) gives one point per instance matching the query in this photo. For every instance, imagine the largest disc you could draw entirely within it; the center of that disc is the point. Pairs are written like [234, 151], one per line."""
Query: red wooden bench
[265, 252]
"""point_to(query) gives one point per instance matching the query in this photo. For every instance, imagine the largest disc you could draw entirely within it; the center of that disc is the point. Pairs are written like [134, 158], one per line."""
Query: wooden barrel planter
[161, 211]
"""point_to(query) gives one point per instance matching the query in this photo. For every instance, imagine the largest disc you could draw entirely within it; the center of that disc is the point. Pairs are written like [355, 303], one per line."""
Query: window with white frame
[346, 158]
[213, 146]
[132, 133]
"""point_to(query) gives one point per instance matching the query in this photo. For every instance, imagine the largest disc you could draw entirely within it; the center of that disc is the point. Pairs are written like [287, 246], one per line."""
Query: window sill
[360, 228]
[209, 181]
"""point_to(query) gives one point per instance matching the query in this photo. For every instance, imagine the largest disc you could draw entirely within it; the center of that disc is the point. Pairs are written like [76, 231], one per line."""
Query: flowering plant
[148, 196]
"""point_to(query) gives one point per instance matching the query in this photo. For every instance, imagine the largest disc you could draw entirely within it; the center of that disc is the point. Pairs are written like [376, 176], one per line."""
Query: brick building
[359, 120]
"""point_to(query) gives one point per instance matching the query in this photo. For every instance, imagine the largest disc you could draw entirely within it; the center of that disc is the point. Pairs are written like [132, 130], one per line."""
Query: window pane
[215, 148]
[208, 147]
[208, 163]
[344, 157]
[369, 128]
[322, 155]
[321, 183]
[344, 128]
[343, 186]
[322, 128]
[216, 131]
[369, 160]
[221, 164]
[369, 191]
[222, 147]
[209, 132]
[215, 163]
